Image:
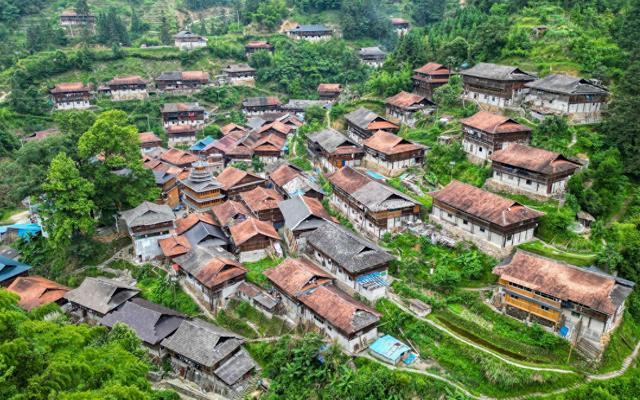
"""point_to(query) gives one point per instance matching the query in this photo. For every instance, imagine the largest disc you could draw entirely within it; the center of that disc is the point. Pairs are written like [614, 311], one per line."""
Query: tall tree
[136, 24]
[67, 208]
[363, 18]
[427, 11]
[82, 7]
[165, 36]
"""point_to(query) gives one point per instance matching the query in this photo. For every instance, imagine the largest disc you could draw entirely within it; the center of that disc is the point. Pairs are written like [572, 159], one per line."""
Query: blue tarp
[10, 268]
[202, 143]
[375, 175]
[24, 230]
[389, 348]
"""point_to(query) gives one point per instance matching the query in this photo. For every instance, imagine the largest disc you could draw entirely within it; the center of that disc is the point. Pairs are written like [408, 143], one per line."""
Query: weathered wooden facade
[310, 32]
[372, 56]
[257, 45]
[407, 107]
[71, 95]
[333, 150]
[260, 105]
[392, 154]
[428, 78]
[201, 191]
[495, 86]
[329, 91]
[182, 82]
[235, 181]
[185, 40]
[363, 123]
[254, 239]
[128, 88]
[486, 133]
[182, 114]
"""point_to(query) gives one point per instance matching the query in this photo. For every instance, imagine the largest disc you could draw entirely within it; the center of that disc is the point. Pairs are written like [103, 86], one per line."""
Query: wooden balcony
[533, 308]
[530, 295]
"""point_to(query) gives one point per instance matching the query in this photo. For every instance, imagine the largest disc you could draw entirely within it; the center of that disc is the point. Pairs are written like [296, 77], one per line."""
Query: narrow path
[187, 289]
[614, 374]
[394, 299]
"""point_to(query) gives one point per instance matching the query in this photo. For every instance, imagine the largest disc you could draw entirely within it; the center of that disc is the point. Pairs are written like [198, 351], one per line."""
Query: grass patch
[537, 247]
[255, 269]
[266, 327]
[622, 343]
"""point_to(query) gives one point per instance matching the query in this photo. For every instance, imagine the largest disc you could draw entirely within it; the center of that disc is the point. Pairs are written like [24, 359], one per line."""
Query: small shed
[391, 350]
[419, 307]
[585, 219]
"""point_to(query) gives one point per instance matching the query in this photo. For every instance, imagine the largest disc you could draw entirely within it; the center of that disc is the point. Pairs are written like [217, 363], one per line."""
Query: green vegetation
[43, 356]
[242, 318]
[256, 269]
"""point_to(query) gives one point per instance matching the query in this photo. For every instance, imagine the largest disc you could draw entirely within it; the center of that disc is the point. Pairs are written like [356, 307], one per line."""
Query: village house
[391, 350]
[531, 171]
[174, 246]
[95, 297]
[428, 78]
[230, 129]
[168, 185]
[11, 269]
[260, 105]
[230, 212]
[71, 96]
[285, 118]
[273, 127]
[400, 25]
[257, 45]
[391, 154]
[291, 181]
[185, 40]
[329, 91]
[182, 114]
[310, 32]
[486, 133]
[254, 239]
[373, 207]
[583, 305]
[210, 356]
[299, 106]
[355, 262]
[407, 107]
[239, 73]
[77, 24]
[263, 204]
[182, 82]
[128, 88]
[332, 150]
[492, 222]
[309, 296]
[148, 223]
[231, 148]
[202, 231]
[36, 291]
[363, 123]
[151, 322]
[495, 86]
[149, 141]
[201, 191]
[372, 56]
[184, 134]
[214, 273]
[581, 100]
[302, 215]
[178, 158]
[269, 148]
[258, 298]
[235, 181]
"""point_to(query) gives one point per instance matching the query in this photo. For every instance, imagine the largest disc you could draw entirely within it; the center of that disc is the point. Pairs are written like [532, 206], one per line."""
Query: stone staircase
[588, 349]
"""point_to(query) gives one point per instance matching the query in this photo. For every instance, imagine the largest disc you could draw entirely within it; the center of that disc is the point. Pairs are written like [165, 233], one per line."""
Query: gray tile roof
[235, 367]
[206, 235]
[170, 76]
[353, 253]
[151, 322]
[565, 84]
[361, 117]
[148, 213]
[371, 51]
[296, 213]
[330, 139]
[379, 197]
[202, 342]
[498, 72]
[162, 177]
[311, 28]
[199, 256]
[101, 294]
[177, 107]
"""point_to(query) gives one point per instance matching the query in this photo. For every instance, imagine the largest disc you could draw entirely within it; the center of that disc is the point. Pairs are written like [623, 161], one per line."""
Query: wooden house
[184, 134]
[309, 296]
[263, 204]
[168, 185]
[239, 73]
[302, 215]
[96, 297]
[332, 150]
[392, 154]
[310, 32]
[235, 181]
[329, 91]
[11, 269]
[372, 56]
[182, 114]
[254, 239]
[71, 96]
[230, 212]
[490, 221]
[407, 107]
[233, 129]
[373, 207]
[36, 291]
[363, 123]
[486, 133]
[260, 105]
[149, 141]
[182, 82]
[76, 24]
[186, 40]
[269, 148]
[128, 88]
[581, 304]
[428, 78]
[201, 191]
[257, 45]
[579, 99]
[178, 158]
[232, 147]
[146, 224]
[495, 86]
[400, 25]
[291, 181]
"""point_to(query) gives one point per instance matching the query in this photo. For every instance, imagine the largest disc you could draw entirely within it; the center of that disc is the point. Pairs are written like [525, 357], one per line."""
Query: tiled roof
[174, 246]
[232, 127]
[251, 227]
[177, 107]
[70, 87]
[181, 128]
[231, 176]
[186, 223]
[388, 143]
[127, 80]
[101, 294]
[261, 199]
[217, 271]
[405, 100]
[498, 72]
[226, 212]
[296, 275]
[570, 85]
[330, 140]
[284, 173]
[261, 101]
[485, 205]
[329, 87]
[239, 68]
[493, 123]
[432, 68]
[302, 212]
[36, 291]
[10, 268]
[149, 137]
[178, 157]
[147, 213]
[259, 44]
[534, 159]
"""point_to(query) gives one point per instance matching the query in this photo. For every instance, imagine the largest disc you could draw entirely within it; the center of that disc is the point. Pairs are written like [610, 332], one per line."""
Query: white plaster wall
[73, 105]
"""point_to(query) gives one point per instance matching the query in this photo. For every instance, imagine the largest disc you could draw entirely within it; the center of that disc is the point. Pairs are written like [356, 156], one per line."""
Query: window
[449, 215]
[544, 308]
[528, 181]
[464, 221]
[509, 238]
[575, 314]
[479, 149]
[482, 229]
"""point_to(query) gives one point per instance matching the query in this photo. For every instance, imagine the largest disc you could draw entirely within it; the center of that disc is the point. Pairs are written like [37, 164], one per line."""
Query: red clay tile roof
[534, 159]
[174, 246]
[493, 123]
[404, 99]
[251, 227]
[277, 126]
[35, 291]
[329, 87]
[226, 211]
[178, 157]
[231, 127]
[316, 208]
[186, 223]
[127, 80]
[295, 275]
[348, 179]
[432, 68]
[381, 125]
[560, 280]
[484, 205]
[261, 199]
[231, 144]
[149, 137]
[70, 87]
[388, 143]
[195, 75]
[259, 44]
[180, 128]
[219, 270]
[271, 142]
[284, 174]
[399, 21]
[340, 310]
[231, 176]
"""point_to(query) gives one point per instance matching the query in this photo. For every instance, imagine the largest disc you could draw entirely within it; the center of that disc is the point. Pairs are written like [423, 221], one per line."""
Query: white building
[495, 86]
[185, 40]
[148, 223]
